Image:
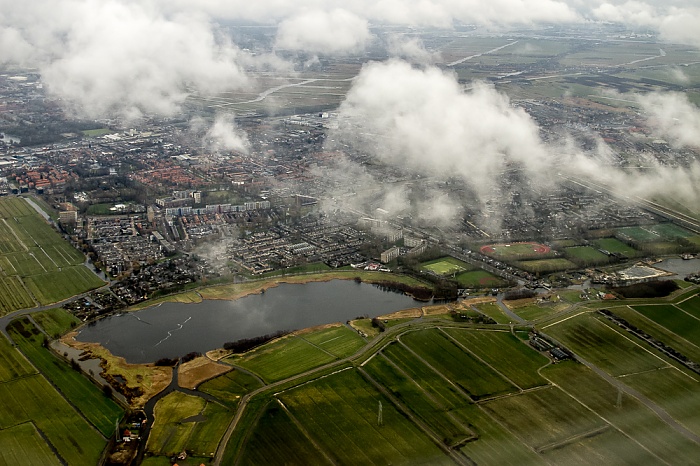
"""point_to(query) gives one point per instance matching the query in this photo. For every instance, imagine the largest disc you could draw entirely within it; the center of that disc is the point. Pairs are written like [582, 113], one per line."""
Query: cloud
[672, 116]
[410, 49]
[225, 136]
[329, 32]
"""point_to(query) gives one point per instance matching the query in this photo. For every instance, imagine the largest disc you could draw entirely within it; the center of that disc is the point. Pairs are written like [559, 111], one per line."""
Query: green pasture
[546, 265]
[33, 399]
[429, 409]
[673, 319]
[280, 359]
[543, 417]
[445, 266]
[23, 445]
[13, 295]
[586, 255]
[276, 439]
[340, 340]
[445, 356]
[505, 353]
[691, 306]
[53, 287]
[186, 422]
[494, 311]
[230, 387]
[12, 363]
[83, 394]
[611, 349]
[479, 279]
[632, 417]
[340, 413]
[614, 245]
[55, 321]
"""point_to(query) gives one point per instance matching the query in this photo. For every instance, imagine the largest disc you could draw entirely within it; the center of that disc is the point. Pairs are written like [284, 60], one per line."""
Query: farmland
[37, 266]
[22, 444]
[674, 319]
[479, 279]
[338, 340]
[230, 386]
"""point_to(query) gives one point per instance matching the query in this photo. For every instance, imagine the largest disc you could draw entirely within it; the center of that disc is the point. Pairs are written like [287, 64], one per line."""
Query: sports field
[515, 251]
[37, 266]
[586, 255]
[653, 233]
[479, 279]
[614, 245]
[546, 265]
[446, 266]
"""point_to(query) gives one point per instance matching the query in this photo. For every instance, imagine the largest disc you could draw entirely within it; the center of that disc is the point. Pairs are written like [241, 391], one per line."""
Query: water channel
[175, 329]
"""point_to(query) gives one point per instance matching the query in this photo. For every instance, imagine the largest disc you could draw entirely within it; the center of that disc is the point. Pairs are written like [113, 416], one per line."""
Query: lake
[172, 330]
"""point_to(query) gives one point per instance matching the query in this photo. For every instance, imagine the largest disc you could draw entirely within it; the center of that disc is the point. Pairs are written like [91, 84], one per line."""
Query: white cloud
[672, 116]
[224, 135]
[319, 31]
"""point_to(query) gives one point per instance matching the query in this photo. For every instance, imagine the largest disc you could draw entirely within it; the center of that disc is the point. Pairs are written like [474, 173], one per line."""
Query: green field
[443, 354]
[446, 266]
[547, 265]
[543, 417]
[504, 352]
[630, 416]
[586, 255]
[613, 351]
[56, 321]
[494, 311]
[340, 414]
[12, 364]
[185, 422]
[531, 312]
[479, 279]
[83, 394]
[282, 358]
[36, 263]
[340, 341]
[691, 306]
[674, 319]
[23, 445]
[655, 233]
[230, 387]
[614, 245]
[276, 439]
[515, 251]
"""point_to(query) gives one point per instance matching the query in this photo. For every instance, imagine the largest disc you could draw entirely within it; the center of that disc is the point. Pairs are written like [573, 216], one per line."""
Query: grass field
[494, 311]
[56, 321]
[185, 422]
[83, 394]
[616, 246]
[282, 358]
[427, 408]
[630, 416]
[338, 340]
[614, 352]
[673, 319]
[546, 265]
[12, 364]
[586, 255]
[340, 413]
[276, 439]
[543, 417]
[230, 386]
[446, 266]
[36, 263]
[23, 445]
[655, 233]
[479, 279]
[515, 251]
[462, 368]
[531, 312]
[504, 352]
[691, 306]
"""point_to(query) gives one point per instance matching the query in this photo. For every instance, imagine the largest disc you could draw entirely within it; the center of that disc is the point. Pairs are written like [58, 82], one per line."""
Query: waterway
[678, 266]
[175, 329]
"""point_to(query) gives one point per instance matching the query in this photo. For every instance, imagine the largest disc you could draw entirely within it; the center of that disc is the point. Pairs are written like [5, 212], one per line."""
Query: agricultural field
[282, 358]
[504, 352]
[546, 265]
[276, 439]
[586, 255]
[55, 322]
[340, 412]
[673, 319]
[445, 356]
[83, 394]
[446, 266]
[186, 422]
[338, 340]
[479, 279]
[12, 363]
[230, 387]
[36, 264]
[691, 306]
[23, 445]
[611, 350]
[614, 245]
[494, 311]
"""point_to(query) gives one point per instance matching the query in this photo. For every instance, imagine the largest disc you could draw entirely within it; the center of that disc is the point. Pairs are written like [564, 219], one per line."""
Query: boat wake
[170, 332]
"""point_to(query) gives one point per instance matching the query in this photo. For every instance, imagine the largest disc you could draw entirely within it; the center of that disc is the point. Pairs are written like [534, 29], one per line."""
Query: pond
[172, 330]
